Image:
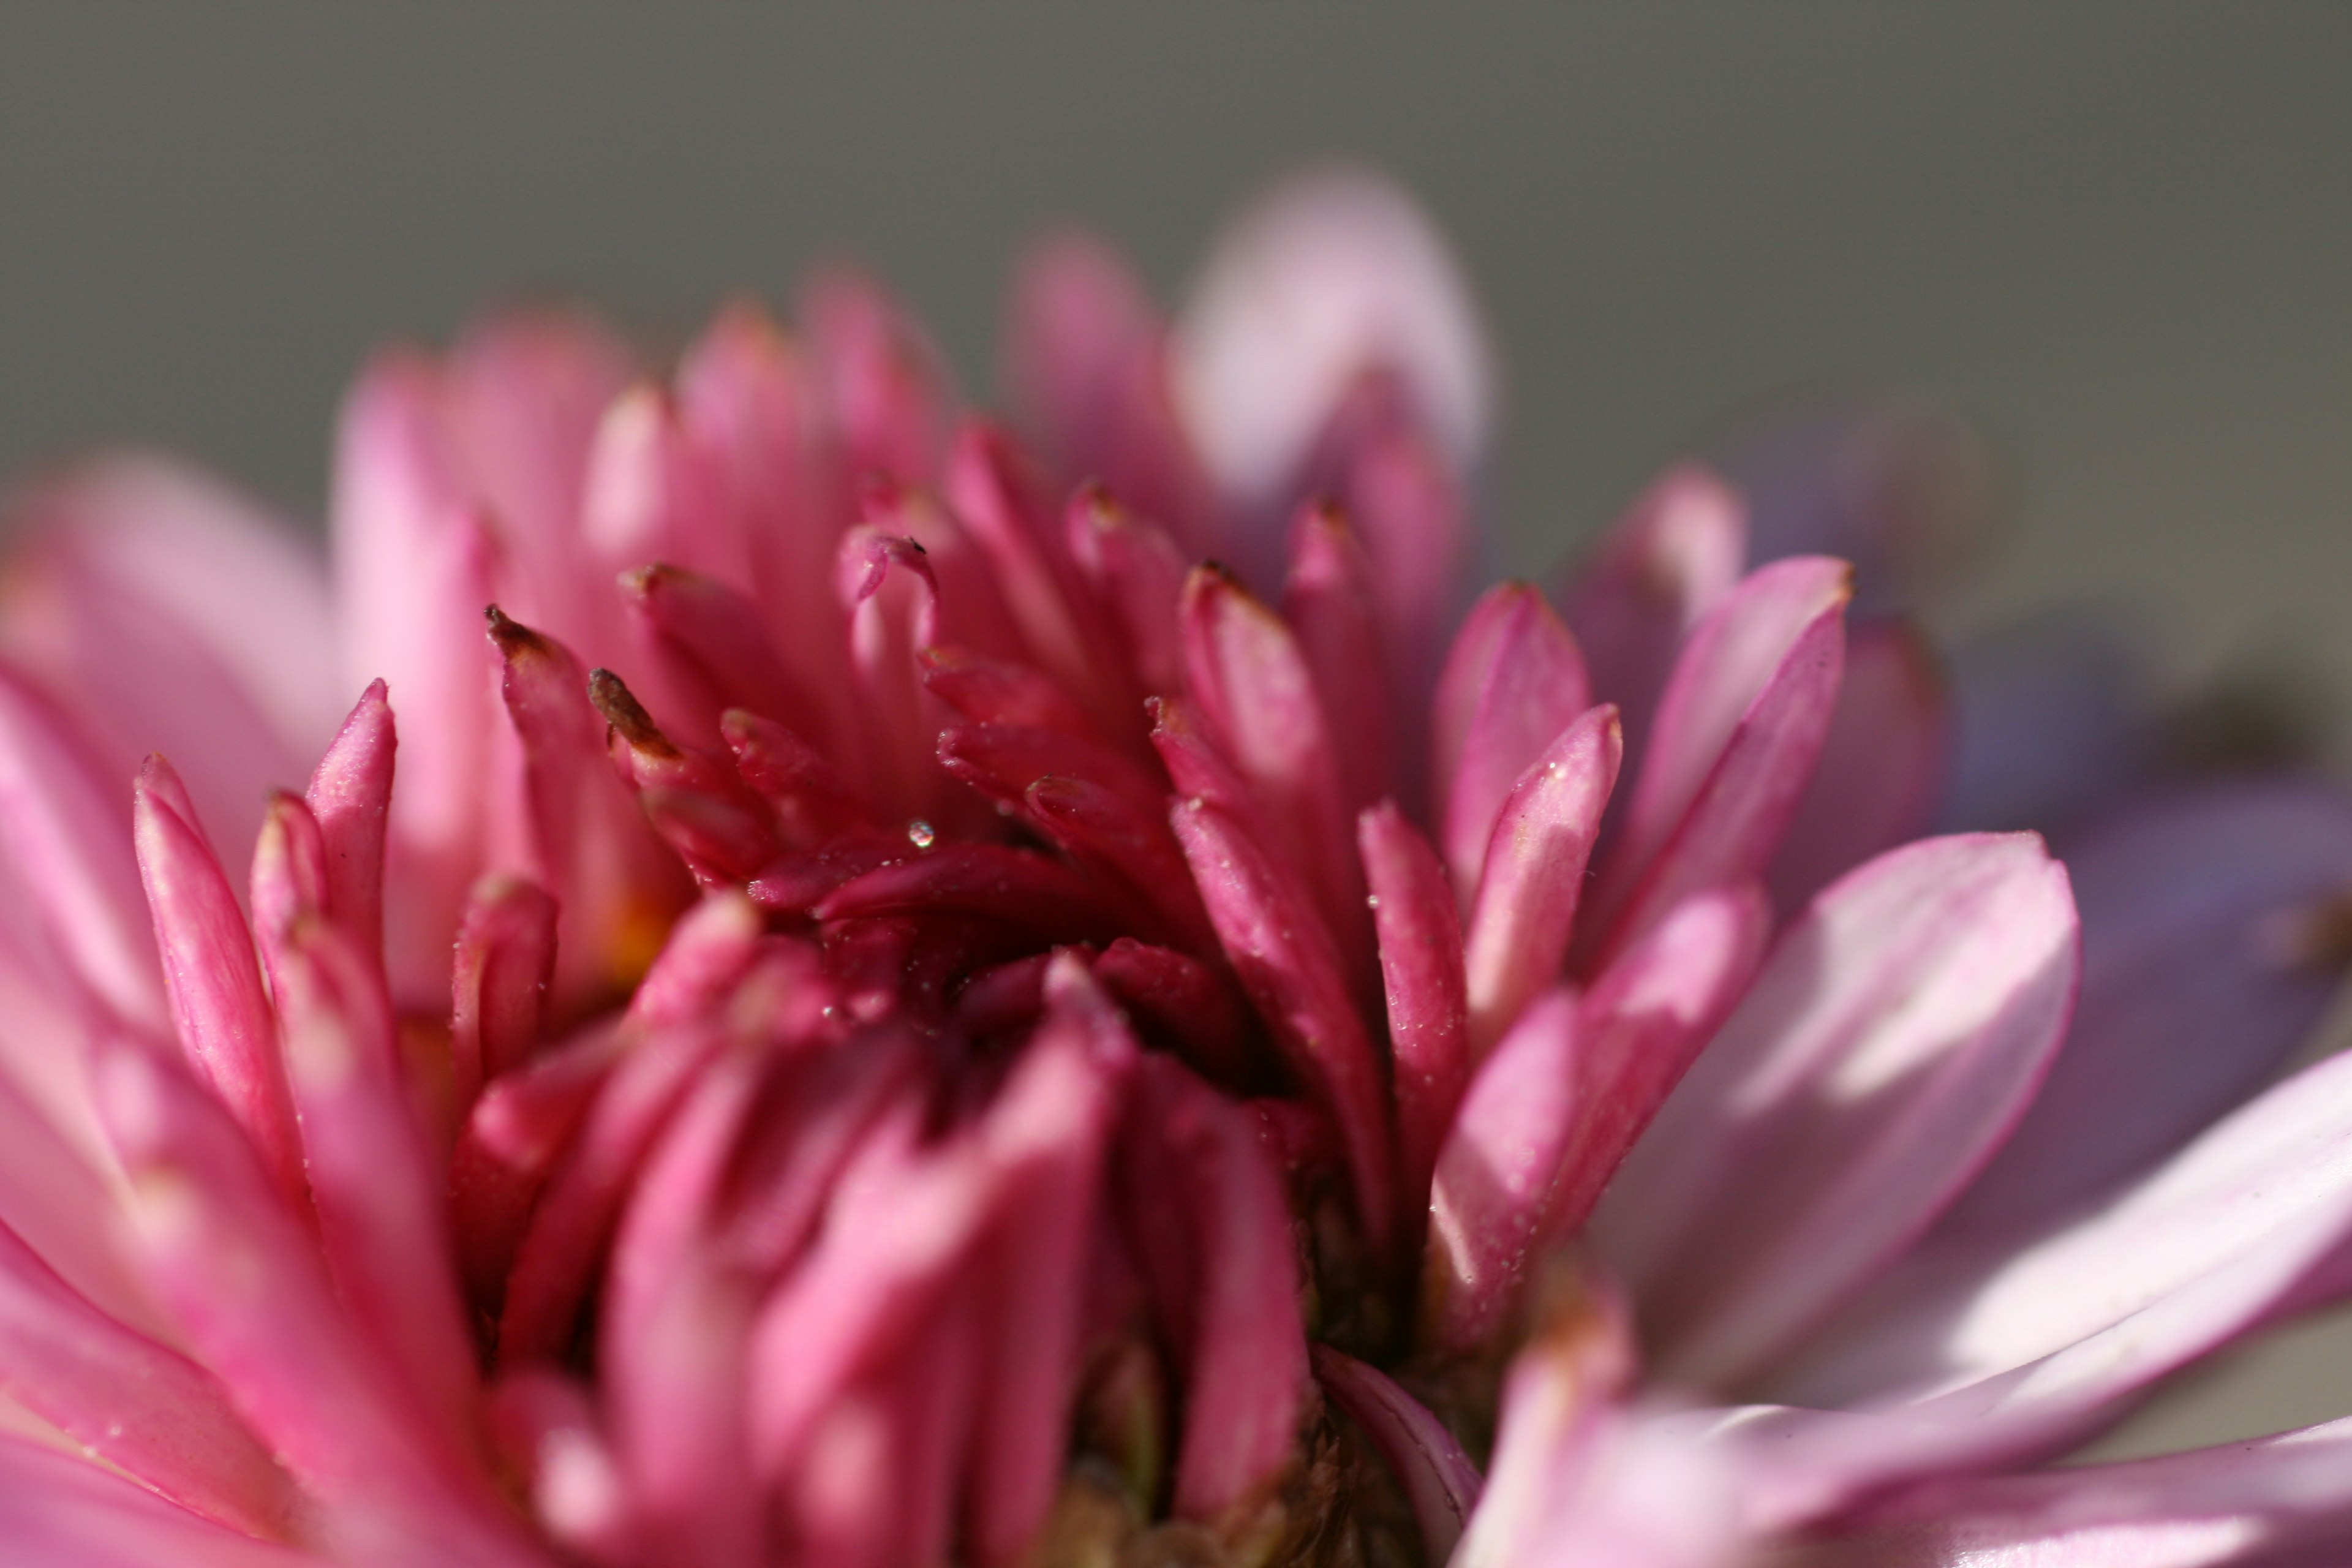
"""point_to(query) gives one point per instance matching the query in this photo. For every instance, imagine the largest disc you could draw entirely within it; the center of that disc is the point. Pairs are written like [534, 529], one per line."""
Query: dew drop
[1372, 900]
[920, 834]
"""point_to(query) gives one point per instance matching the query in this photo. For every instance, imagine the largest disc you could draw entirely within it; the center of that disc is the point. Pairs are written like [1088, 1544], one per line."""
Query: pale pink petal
[1525, 910]
[1880, 779]
[543, 1425]
[1890, 1044]
[1428, 1004]
[1327, 278]
[499, 981]
[1287, 964]
[1739, 727]
[881, 379]
[1496, 1174]
[226, 1025]
[57, 1199]
[64, 831]
[1512, 682]
[1421, 1454]
[59, 1511]
[1327, 598]
[1658, 572]
[999, 692]
[651, 492]
[2211, 950]
[350, 797]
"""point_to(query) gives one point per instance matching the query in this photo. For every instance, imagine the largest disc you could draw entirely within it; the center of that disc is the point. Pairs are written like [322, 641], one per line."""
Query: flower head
[847, 994]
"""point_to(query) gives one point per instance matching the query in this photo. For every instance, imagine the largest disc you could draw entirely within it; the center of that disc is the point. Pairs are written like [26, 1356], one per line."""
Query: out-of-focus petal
[880, 378]
[651, 492]
[1891, 1042]
[2050, 717]
[1883, 764]
[1738, 731]
[1512, 682]
[1439, 1480]
[59, 1511]
[1328, 278]
[1653, 577]
[1327, 600]
[2211, 945]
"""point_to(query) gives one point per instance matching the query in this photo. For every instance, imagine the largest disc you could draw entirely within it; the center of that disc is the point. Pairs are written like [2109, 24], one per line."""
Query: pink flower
[877, 1011]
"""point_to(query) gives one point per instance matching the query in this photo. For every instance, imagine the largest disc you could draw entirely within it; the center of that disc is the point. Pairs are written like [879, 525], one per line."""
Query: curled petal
[696, 802]
[1890, 1044]
[892, 598]
[810, 801]
[1419, 1451]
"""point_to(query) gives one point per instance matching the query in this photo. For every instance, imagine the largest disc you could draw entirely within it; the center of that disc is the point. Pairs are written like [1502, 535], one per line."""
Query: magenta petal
[2209, 955]
[1496, 1174]
[997, 691]
[1420, 1453]
[350, 797]
[1002, 761]
[811, 803]
[59, 1511]
[1738, 731]
[1130, 849]
[1251, 679]
[499, 981]
[711, 652]
[1882, 764]
[892, 597]
[1286, 962]
[1643, 1024]
[1512, 682]
[224, 1022]
[1525, 911]
[994, 881]
[130, 1401]
[1428, 1001]
[1190, 1006]
[1890, 1044]
[1328, 600]
[68, 849]
[1139, 573]
[1652, 578]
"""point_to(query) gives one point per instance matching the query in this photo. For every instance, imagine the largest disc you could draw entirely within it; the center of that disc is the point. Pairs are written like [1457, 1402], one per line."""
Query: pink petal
[499, 981]
[1512, 682]
[709, 651]
[54, 1197]
[1527, 901]
[1251, 679]
[995, 691]
[1890, 1044]
[1739, 727]
[128, 1400]
[1659, 571]
[1002, 761]
[1882, 764]
[1643, 1025]
[874, 371]
[350, 797]
[2209, 955]
[226, 1025]
[59, 1511]
[1287, 964]
[1191, 1008]
[1129, 850]
[893, 603]
[1137, 571]
[1327, 278]
[543, 1425]
[810, 802]
[995, 882]
[1327, 598]
[650, 491]
[1421, 1454]
[68, 847]
[616, 883]
[707, 953]
[1428, 1001]
[1496, 1175]
[696, 801]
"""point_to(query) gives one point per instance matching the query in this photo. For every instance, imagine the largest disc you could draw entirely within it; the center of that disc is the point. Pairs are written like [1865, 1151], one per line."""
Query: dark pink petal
[1652, 578]
[1251, 680]
[991, 880]
[378, 1195]
[1138, 571]
[544, 1428]
[1002, 761]
[70, 852]
[1285, 962]
[1882, 764]
[1526, 907]
[2211, 950]
[1428, 1004]
[696, 802]
[1496, 1175]
[1739, 727]
[615, 884]
[810, 802]
[882, 380]
[1421, 1454]
[1643, 1024]
[350, 797]
[1132, 850]
[499, 981]
[1246, 1374]
[650, 493]
[1512, 682]
[245, 1286]
[1328, 278]
[1328, 600]
[414, 567]
[893, 603]
[224, 1022]
[128, 1400]
[59, 1511]
[1192, 1007]
[710, 650]
[995, 691]
[1890, 1044]
[796, 882]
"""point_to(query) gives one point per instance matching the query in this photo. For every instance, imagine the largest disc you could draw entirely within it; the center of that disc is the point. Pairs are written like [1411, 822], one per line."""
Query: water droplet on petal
[920, 834]
[1372, 900]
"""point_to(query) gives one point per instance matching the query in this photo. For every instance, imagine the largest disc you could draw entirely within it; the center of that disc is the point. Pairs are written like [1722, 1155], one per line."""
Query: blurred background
[2116, 237]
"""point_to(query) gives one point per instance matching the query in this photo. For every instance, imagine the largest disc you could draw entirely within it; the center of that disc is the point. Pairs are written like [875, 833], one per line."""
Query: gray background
[2118, 236]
